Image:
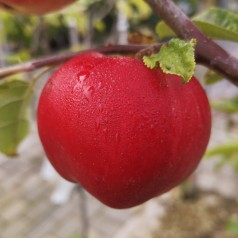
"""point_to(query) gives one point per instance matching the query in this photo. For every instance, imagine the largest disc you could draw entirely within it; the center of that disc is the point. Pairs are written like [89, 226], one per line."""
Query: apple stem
[207, 51]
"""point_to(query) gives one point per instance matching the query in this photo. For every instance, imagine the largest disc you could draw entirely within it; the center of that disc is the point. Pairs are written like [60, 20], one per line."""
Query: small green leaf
[211, 77]
[226, 105]
[224, 150]
[163, 30]
[228, 154]
[14, 101]
[76, 236]
[232, 226]
[176, 57]
[216, 23]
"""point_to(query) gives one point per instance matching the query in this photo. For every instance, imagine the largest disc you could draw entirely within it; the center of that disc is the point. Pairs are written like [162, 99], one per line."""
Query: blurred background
[36, 203]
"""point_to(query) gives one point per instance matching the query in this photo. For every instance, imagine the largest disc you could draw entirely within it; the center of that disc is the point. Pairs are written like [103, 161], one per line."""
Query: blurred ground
[207, 215]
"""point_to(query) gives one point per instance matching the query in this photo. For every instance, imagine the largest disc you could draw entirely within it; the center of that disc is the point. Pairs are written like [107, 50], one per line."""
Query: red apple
[126, 133]
[33, 7]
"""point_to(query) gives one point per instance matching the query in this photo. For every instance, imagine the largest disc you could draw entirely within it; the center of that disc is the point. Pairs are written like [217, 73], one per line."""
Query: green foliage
[139, 15]
[226, 105]
[24, 36]
[76, 236]
[216, 23]
[163, 31]
[228, 154]
[176, 57]
[18, 57]
[211, 77]
[15, 96]
[17, 31]
[135, 10]
[232, 226]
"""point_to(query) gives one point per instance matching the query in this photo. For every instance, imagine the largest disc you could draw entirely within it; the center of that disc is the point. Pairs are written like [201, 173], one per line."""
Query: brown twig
[207, 51]
[59, 59]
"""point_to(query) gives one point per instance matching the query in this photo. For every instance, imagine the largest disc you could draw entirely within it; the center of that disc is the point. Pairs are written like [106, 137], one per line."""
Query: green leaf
[232, 226]
[226, 105]
[211, 77]
[163, 30]
[76, 236]
[224, 150]
[14, 100]
[176, 57]
[228, 154]
[216, 23]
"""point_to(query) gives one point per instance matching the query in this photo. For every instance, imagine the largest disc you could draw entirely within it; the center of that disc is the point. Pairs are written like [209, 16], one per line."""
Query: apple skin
[126, 133]
[33, 7]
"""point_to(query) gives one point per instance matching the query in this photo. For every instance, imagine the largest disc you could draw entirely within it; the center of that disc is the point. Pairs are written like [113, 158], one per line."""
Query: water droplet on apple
[82, 75]
[88, 91]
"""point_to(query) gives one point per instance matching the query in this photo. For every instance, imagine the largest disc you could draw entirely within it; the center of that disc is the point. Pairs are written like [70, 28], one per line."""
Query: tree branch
[207, 51]
[58, 59]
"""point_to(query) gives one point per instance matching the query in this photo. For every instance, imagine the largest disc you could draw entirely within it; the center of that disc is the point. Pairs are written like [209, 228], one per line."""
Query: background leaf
[232, 226]
[226, 105]
[212, 77]
[15, 96]
[163, 31]
[216, 23]
[227, 149]
[228, 154]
